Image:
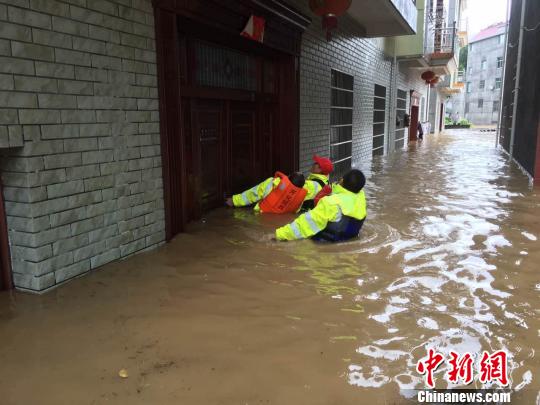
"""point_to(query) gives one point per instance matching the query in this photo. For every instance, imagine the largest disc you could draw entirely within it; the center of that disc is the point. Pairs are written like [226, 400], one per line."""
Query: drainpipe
[503, 75]
[518, 74]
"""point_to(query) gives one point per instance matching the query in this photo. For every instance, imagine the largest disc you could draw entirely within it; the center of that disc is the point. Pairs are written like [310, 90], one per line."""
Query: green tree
[463, 58]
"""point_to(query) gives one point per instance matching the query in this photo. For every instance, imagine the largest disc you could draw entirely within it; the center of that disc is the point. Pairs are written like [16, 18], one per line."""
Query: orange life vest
[286, 197]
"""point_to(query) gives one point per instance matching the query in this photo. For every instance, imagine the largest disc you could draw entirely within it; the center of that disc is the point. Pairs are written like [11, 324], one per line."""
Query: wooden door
[413, 129]
[207, 143]
[441, 118]
[242, 134]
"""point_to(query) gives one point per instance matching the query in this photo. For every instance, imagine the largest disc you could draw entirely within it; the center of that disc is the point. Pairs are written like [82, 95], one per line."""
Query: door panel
[207, 130]
[242, 146]
[413, 129]
[264, 157]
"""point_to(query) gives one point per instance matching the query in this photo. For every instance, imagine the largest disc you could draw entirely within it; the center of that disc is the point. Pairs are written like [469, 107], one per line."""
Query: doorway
[229, 106]
[6, 282]
[413, 129]
[415, 115]
[441, 118]
[229, 120]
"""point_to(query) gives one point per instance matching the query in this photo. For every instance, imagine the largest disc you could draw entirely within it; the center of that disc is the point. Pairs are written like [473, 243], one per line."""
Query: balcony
[385, 18]
[440, 50]
[434, 46]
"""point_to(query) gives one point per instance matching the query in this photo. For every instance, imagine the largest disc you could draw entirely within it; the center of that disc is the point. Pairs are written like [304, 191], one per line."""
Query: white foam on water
[428, 323]
[388, 312]
[378, 353]
[383, 342]
[495, 241]
[399, 300]
[374, 379]
[529, 236]
[526, 380]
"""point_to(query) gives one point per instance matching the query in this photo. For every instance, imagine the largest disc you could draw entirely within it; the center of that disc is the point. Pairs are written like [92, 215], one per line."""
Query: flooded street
[448, 259]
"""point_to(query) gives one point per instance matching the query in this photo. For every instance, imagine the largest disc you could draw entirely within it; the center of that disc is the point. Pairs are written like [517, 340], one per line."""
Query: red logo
[461, 368]
[492, 367]
[428, 366]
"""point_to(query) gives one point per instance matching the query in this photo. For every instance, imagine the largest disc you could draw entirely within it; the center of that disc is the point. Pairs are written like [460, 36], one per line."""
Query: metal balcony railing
[441, 40]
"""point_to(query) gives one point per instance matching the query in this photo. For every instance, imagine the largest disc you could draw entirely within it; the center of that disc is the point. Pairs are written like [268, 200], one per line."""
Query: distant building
[480, 102]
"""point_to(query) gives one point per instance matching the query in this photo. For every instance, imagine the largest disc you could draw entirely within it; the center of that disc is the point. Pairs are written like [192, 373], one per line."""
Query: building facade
[480, 103]
[520, 116]
[122, 121]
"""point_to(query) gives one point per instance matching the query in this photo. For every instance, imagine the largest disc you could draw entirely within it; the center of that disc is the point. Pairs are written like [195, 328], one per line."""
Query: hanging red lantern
[329, 10]
[428, 75]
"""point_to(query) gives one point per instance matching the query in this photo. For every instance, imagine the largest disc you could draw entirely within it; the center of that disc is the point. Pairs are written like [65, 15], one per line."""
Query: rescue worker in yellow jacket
[315, 182]
[279, 194]
[317, 179]
[336, 217]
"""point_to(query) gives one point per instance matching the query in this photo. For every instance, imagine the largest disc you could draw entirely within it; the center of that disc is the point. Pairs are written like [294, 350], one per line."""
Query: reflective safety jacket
[314, 184]
[263, 190]
[340, 214]
[255, 194]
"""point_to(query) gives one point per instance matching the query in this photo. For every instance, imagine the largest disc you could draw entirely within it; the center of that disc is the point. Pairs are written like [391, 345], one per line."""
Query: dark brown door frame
[6, 281]
[414, 113]
[441, 118]
[285, 24]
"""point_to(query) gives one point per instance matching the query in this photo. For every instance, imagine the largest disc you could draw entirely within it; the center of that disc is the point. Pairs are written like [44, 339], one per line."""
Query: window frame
[334, 90]
[376, 150]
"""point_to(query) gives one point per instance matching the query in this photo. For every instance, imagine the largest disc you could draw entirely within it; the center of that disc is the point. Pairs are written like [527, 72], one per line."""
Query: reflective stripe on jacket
[255, 193]
[329, 209]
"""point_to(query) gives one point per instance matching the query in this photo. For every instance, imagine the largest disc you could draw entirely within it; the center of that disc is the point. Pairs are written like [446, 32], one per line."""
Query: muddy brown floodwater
[448, 259]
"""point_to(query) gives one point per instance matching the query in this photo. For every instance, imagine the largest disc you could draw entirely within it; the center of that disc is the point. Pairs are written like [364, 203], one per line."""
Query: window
[469, 87]
[480, 103]
[401, 108]
[482, 84]
[379, 119]
[341, 112]
[499, 62]
[484, 64]
[496, 104]
[466, 108]
[226, 68]
[470, 69]
[470, 47]
[498, 82]
[501, 39]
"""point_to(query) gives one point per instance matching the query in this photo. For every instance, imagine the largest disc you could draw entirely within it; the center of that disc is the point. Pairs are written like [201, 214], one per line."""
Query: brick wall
[363, 58]
[79, 111]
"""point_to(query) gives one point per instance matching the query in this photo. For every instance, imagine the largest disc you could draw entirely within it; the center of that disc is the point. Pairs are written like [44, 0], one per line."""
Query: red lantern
[329, 10]
[428, 75]
[433, 81]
